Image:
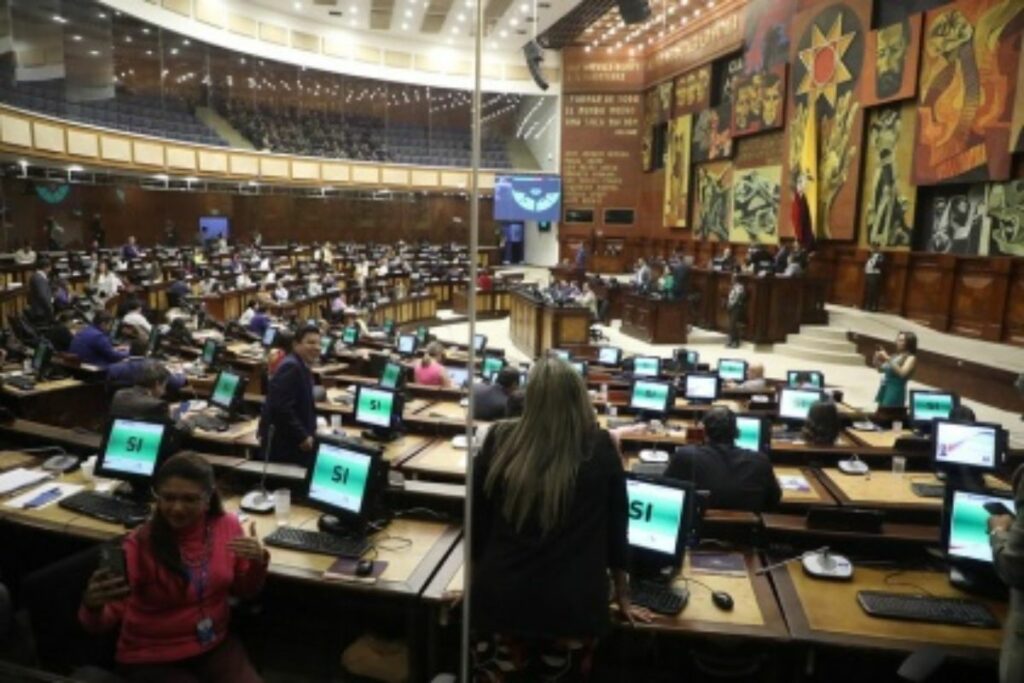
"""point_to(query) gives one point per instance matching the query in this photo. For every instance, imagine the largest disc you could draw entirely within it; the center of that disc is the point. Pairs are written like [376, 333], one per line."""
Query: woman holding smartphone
[1006, 535]
[180, 569]
[896, 371]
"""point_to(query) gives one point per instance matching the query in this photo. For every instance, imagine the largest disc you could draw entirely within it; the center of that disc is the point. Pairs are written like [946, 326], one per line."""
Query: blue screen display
[213, 227]
[527, 198]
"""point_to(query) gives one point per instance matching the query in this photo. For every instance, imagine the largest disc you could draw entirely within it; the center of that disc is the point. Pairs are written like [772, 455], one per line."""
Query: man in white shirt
[873, 278]
[24, 254]
[281, 293]
[138, 321]
[247, 315]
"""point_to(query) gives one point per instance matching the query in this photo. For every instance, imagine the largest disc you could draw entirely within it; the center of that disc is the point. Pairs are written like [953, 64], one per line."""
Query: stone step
[812, 353]
[821, 343]
[824, 332]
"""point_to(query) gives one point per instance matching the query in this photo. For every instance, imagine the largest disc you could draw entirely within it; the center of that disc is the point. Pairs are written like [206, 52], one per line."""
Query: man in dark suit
[781, 259]
[289, 406]
[736, 479]
[144, 400]
[92, 343]
[40, 295]
[681, 277]
[492, 401]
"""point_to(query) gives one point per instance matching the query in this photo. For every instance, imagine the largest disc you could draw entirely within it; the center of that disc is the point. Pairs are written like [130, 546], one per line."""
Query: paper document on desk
[729, 564]
[19, 478]
[793, 482]
[64, 490]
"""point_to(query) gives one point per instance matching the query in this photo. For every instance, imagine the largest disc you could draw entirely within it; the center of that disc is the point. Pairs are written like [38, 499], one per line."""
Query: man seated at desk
[133, 316]
[759, 260]
[126, 373]
[642, 275]
[144, 399]
[725, 262]
[280, 292]
[289, 406]
[755, 380]
[497, 401]
[177, 291]
[130, 251]
[736, 479]
[92, 343]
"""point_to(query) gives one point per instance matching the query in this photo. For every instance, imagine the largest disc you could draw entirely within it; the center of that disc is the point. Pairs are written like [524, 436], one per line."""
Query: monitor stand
[379, 435]
[330, 524]
[983, 583]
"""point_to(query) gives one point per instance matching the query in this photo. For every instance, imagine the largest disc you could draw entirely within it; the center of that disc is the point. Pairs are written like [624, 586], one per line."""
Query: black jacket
[290, 408]
[40, 298]
[531, 585]
[736, 479]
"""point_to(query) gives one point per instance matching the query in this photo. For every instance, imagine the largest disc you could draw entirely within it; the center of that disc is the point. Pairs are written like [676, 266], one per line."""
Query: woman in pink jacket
[182, 566]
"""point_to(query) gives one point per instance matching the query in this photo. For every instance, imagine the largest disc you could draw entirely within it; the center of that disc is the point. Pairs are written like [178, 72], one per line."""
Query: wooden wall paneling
[930, 289]
[894, 281]
[848, 277]
[1013, 315]
[980, 287]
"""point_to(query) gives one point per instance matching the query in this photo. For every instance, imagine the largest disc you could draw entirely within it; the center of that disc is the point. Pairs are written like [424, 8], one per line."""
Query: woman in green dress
[896, 371]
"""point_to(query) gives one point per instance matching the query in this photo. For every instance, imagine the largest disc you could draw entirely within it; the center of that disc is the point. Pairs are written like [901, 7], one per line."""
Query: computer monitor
[350, 336]
[326, 346]
[732, 369]
[421, 334]
[646, 366]
[926, 406]
[211, 349]
[753, 433]
[649, 397]
[579, 366]
[660, 512]
[269, 335]
[41, 358]
[609, 355]
[406, 344]
[227, 391]
[392, 376]
[479, 343]
[966, 540]
[794, 404]
[561, 353]
[976, 446]
[379, 409]
[701, 387]
[687, 359]
[491, 366]
[345, 481]
[458, 374]
[388, 327]
[153, 346]
[131, 451]
[805, 379]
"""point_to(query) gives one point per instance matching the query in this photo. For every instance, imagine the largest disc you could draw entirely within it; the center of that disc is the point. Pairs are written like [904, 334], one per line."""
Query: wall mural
[1005, 208]
[712, 138]
[693, 91]
[756, 195]
[758, 102]
[657, 110]
[677, 172]
[766, 42]
[712, 204]
[893, 57]
[1017, 129]
[888, 199]
[957, 224]
[969, 69]
[828, 59]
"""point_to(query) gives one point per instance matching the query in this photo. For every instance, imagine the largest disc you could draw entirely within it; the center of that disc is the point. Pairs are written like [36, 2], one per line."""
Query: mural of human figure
[890, 59]
[771, 101]
[887, 219]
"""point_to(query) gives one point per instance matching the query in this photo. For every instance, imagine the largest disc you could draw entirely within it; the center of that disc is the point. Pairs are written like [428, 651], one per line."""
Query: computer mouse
[364, 567]
[722, 600]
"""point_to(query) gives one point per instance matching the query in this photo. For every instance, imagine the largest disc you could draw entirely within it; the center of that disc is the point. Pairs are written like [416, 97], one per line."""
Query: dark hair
[909, 341]
[192, 467]
[822, 425]
[719, 425]
[43, 263]
[962, 413]
[101, 318]
[283, 340]
[305, 331]
[133, 304]
[507, 378]
[138, 347]
[152, 373]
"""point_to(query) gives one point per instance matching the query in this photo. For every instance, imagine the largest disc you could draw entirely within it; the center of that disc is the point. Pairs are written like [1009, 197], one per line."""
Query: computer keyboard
[952, 611]
[660, 598]
[21, 382]
[922, 490]
[210, 423]
[317, 542]
[105, 507]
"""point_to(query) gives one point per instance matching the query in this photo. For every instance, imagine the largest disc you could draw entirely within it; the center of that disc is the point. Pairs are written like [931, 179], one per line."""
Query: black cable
[889, 582]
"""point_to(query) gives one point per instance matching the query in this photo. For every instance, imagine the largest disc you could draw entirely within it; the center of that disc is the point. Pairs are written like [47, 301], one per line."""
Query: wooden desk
[881, 490]
[656, 321]
[411, 309]
[898, 533]
[536, 326]
[494, 302]
[611, 294]
[225, 306]
[816, 495]
[68, 402]
[827, 613]
[439, 460]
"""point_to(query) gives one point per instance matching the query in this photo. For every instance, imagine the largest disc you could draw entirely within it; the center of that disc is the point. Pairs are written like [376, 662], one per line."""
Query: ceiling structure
[508, 24]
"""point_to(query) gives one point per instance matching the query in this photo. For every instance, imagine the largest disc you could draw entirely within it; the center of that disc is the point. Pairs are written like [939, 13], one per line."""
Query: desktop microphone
[259, 501]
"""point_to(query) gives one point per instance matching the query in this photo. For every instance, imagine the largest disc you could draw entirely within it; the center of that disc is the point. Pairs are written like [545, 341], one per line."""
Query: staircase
[223, 128]
[821, 343]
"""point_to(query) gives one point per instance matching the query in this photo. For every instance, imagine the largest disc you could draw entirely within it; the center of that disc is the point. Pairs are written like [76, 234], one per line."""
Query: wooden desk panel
[880, 489]
[656, 321]
[827, 612]
[885, 439]
[439, 460]
[536, 327]
[817, 495]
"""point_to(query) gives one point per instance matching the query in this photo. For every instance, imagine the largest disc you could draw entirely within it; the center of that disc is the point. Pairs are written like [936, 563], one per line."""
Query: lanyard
[199, 576]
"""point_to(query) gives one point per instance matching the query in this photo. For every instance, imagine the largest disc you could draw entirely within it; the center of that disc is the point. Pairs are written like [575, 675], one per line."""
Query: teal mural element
[53, 194]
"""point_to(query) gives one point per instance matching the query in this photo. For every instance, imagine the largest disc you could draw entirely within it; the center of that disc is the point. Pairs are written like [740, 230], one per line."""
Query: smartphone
[994, 507]
[112, 560]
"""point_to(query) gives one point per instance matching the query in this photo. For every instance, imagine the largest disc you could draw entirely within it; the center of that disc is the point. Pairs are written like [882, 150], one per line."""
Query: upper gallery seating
[165, 117]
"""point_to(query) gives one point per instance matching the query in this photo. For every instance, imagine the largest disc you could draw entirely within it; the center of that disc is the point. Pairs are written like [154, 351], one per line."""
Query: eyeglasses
[186, 499]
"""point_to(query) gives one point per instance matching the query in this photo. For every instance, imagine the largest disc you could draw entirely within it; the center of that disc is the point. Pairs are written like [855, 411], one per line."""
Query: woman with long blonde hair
[549, 524]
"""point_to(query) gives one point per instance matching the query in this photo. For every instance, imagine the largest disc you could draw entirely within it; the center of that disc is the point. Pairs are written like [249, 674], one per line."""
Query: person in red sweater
[484, 281]
[182, 565]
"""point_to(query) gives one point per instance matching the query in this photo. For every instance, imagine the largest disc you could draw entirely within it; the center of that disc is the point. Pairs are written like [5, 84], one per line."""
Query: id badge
[204, 631]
